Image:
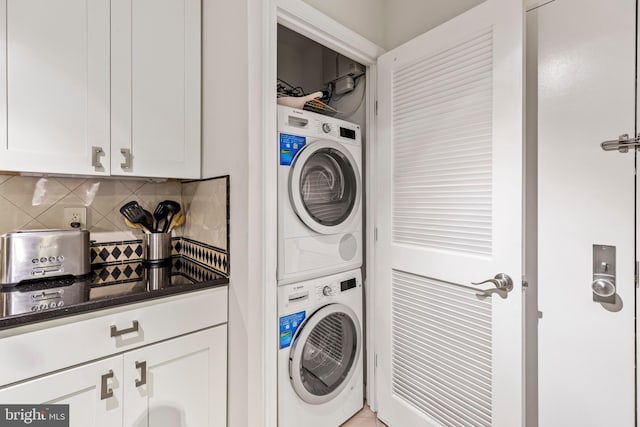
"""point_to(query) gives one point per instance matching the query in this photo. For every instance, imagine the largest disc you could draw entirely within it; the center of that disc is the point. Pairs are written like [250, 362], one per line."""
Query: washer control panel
[335, 288]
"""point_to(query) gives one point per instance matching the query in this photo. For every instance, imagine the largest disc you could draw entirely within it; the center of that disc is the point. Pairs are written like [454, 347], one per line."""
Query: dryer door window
[325, 186]
[324, 353]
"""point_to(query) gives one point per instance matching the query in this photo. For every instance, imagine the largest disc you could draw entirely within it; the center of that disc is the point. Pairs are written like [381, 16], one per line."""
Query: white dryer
[319, 195]
[320, 379]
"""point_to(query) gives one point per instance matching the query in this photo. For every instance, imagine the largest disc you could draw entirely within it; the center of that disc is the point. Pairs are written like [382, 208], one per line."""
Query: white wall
[365, 17]
[389, 23]
[228, 135]
[406, 19]
[299, 60]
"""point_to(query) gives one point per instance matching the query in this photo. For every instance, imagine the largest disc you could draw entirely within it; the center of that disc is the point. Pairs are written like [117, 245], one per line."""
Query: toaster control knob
[43, 259]
[326, 291]
[35, 260]
[326, 127]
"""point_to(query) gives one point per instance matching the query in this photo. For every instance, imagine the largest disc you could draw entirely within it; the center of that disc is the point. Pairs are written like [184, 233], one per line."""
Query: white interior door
[450, 213]
[585, 197]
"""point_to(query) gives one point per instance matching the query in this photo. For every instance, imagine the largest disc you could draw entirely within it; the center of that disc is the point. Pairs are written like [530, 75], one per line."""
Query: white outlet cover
[78, 214]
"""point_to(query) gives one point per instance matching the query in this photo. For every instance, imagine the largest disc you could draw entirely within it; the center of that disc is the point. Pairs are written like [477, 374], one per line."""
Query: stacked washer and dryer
[320, 360]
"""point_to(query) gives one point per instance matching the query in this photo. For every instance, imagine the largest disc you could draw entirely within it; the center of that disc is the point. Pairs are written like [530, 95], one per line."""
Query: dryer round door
[324, 187]
[324, 353]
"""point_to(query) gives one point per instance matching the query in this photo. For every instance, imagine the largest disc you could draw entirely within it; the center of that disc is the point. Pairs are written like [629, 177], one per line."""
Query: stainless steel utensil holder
[157, 247]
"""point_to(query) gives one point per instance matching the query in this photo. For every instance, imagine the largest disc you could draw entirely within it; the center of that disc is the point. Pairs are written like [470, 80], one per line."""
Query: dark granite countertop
[42, 301]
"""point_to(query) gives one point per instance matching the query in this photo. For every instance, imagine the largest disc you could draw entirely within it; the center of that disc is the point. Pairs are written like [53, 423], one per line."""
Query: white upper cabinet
[54, 100]
[100, 87]
[155, 71]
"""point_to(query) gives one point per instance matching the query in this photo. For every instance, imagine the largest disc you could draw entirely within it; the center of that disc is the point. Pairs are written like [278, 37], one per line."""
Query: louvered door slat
[425, 155]
[428, 314]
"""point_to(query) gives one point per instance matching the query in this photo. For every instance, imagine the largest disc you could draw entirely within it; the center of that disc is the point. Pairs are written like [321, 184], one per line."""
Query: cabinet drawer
[49, 346]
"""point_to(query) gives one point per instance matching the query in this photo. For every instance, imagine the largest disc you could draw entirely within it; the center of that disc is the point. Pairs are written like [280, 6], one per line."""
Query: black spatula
[137, 215]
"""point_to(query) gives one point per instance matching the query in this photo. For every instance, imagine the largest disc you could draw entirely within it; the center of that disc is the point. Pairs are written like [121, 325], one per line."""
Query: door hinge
[525, 284]
[375, 234]
[375, 360]
[635, 276]
[375, 107]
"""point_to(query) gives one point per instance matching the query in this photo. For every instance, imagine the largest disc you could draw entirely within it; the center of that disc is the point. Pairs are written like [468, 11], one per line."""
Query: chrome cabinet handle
[143, 373]
[134, 328]
[503, 285]
[96, 152]
[126, 152]
[105, 391]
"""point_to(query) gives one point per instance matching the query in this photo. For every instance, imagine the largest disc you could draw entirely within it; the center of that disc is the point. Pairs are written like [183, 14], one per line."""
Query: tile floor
[365, 418]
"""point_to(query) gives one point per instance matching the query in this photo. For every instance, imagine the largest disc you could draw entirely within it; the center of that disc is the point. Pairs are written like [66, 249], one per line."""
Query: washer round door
[324, 186]
[324, 353]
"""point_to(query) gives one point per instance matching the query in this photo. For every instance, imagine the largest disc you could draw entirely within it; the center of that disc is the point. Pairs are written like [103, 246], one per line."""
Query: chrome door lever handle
[502, 292]
[494, 281]
[503, 285]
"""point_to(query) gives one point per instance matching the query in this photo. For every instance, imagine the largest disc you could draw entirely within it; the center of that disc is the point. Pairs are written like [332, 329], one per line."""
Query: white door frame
[309, 22]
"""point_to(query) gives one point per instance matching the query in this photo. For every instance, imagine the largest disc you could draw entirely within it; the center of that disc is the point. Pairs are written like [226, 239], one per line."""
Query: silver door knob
[603, 288]
[503, 285]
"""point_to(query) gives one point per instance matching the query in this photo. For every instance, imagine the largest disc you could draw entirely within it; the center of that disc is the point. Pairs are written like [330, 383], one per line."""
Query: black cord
[286, 88]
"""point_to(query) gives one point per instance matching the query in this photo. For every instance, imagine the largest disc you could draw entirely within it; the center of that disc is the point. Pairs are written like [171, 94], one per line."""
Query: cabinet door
[179, 382]
[54, 100]
[80, 388]
[156, 87]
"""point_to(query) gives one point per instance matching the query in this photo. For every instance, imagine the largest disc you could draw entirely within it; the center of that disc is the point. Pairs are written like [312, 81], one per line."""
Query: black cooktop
[44, 300]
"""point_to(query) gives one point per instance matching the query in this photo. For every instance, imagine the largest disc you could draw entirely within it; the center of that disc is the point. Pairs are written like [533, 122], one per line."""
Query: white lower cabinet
[176, 383]
[81, 388]
[129, 366]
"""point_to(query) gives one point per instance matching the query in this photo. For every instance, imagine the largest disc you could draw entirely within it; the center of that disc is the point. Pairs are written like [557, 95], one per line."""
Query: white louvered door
[450, 213]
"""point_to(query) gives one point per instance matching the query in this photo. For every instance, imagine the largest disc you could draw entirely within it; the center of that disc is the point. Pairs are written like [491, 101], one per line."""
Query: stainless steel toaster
[42, 254]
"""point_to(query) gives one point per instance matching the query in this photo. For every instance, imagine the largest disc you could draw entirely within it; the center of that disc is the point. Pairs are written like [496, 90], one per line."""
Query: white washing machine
[320, 380]
[319, 195]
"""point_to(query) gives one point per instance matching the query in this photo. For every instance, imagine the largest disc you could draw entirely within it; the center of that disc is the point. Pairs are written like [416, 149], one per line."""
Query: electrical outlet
[75, 218]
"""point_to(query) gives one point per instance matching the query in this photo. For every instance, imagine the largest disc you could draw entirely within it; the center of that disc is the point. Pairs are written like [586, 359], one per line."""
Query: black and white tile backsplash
[112, 258]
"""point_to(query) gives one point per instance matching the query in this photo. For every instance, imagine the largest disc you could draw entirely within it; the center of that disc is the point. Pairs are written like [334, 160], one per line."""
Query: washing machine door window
[324, 353]
[324, 184]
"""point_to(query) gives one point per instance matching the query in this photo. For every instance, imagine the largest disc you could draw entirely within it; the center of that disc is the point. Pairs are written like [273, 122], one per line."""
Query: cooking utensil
[160, 215]
[177, 221]
[137, 215]
[135, 226]
[148, 218]
[173, 208]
